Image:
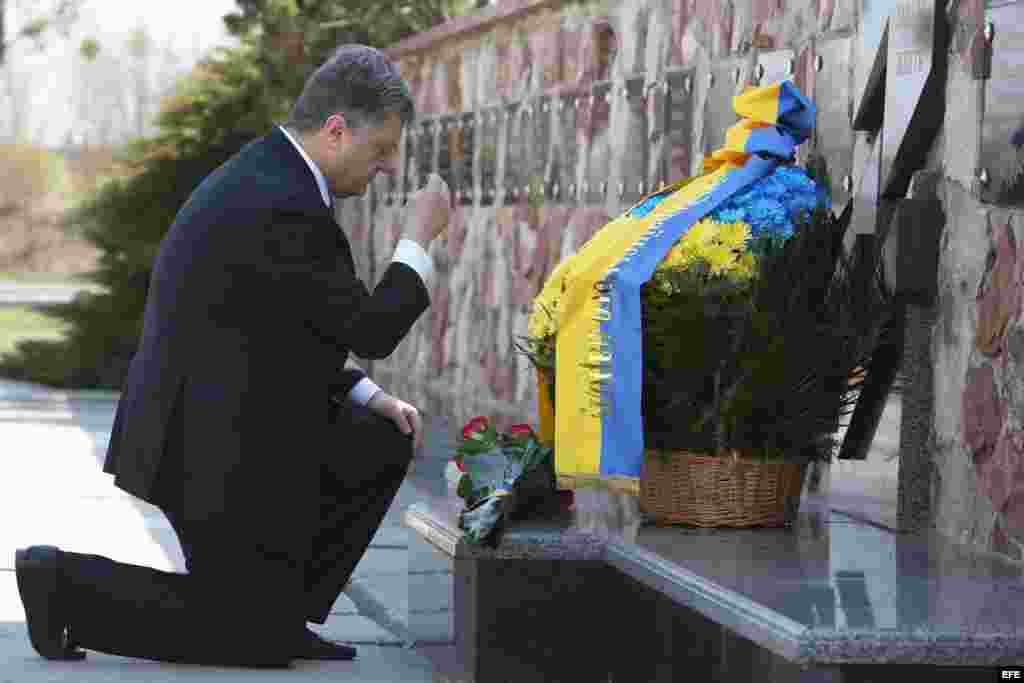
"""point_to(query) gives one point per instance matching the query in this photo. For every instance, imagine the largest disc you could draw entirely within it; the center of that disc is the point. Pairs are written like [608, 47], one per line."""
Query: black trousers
[233, 607]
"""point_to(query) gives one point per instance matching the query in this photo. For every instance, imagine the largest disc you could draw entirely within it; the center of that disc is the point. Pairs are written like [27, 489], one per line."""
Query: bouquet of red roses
[502, 475]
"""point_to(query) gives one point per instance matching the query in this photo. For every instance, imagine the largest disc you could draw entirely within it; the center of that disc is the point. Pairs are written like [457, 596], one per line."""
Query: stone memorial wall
[548, 118]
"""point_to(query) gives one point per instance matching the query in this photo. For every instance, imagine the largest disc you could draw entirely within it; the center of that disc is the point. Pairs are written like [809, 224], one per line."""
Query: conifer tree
[232, 97]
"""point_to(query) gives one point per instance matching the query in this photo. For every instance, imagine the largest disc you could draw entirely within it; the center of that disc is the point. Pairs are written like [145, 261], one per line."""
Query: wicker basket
[713, 491]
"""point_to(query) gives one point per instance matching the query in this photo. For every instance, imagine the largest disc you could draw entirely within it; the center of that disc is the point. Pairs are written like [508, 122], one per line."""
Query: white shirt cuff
[415, 256]
[363, 391]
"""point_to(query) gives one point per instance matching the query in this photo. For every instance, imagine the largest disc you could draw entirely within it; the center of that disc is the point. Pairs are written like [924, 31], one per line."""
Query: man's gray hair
[358, 81]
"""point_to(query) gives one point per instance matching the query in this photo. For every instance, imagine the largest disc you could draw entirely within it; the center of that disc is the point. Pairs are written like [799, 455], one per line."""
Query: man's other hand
[404, 415]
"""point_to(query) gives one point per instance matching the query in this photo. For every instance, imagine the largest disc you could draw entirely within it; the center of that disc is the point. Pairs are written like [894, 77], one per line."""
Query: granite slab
[832, 590]
[835, 590]
[437, 520]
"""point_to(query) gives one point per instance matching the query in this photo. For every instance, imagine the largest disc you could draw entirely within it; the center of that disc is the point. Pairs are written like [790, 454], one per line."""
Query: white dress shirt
[408, 252]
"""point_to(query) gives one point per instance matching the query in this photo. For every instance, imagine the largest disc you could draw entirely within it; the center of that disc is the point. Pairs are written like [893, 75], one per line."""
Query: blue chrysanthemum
[769, 206]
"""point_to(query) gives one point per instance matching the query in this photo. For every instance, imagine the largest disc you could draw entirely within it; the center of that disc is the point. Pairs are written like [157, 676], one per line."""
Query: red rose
[520, 430]
[458, 463]
[477, 425]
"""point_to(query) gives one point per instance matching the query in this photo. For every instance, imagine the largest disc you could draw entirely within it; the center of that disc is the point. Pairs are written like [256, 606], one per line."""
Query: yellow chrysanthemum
[542, 322]
[699, 234]
[720, 257]
[716, 243]
[734, 234]
[746, 266]
[680, 255]
[691, 244]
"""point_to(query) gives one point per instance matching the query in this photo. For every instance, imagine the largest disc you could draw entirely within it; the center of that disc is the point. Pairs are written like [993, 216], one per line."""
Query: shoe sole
[37, 576]
[326, 658]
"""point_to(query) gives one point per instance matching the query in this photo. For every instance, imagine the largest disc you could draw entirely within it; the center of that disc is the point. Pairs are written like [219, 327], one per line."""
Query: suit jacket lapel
[282, 148]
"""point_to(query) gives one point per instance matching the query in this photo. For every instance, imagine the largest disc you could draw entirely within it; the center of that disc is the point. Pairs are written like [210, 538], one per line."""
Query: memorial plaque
[833, 135]
[424, 152]
[634, 161]
[601, 109]
[915, 76]
[490, 120]
[599, 149]
[446, 143]
[678, 127]
[774, 66]
[463, 170]
[564, 151]
[392, 189]
[1002, 131]
[410, 165]
[869, 71]
[515, 153]
[719, 114]
[656, 112]
[539, 130]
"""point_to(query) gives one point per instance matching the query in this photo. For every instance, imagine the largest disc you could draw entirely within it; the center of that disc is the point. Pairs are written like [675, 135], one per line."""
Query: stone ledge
[765, 627]
[437, 522]
[832, 591]
[807, 646]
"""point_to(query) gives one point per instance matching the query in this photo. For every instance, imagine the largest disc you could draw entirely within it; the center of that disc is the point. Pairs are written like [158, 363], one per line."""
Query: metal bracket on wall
[911, 250]
[886, 358]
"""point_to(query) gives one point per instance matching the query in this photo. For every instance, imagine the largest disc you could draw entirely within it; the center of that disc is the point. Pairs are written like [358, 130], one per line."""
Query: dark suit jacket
[253, 308]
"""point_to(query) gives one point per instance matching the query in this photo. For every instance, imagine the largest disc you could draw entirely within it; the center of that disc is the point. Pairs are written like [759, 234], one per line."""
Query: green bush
[217, 109]
[225, 102]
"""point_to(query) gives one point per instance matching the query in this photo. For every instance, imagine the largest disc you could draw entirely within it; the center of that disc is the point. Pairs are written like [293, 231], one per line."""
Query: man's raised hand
[429, 211]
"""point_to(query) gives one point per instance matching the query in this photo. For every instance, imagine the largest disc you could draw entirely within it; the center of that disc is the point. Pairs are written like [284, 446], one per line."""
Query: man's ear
[336, 127]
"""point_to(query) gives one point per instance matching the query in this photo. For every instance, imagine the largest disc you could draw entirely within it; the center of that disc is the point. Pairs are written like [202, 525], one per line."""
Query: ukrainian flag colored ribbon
[595, 423]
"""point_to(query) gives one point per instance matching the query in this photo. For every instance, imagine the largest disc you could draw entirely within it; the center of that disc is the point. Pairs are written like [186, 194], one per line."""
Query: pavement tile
[389, 591]
[344, 606]
[356, 629]
[81, 510]
[373, 664]
[383, 561]
[432, 627]
[424, 558]
[430, 592]
[390, 536]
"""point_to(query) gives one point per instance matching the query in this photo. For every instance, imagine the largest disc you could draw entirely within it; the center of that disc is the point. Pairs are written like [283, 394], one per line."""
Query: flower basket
[719, 491]
[755, 329]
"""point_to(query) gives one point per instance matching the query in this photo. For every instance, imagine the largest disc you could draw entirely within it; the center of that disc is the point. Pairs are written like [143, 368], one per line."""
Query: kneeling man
[274, 463]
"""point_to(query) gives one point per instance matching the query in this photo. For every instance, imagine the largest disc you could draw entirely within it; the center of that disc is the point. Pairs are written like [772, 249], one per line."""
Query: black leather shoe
[316, 647]
[39, 577]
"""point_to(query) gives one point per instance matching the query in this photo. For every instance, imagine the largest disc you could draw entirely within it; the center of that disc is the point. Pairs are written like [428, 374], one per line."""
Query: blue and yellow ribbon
[595, 423]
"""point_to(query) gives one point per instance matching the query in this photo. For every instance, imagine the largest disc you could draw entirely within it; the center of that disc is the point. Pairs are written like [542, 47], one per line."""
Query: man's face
[354, 156]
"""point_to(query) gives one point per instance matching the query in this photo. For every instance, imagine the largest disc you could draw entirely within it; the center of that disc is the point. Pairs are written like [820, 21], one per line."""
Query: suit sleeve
[300, 265]
[346, 382]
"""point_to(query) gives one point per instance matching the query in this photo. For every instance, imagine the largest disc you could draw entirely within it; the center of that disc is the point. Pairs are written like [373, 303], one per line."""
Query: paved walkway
[53, 491]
